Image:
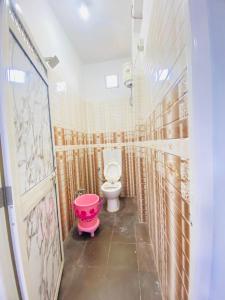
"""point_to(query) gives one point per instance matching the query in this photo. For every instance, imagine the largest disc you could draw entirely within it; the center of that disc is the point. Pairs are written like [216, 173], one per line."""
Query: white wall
[84, 82]
[52, 40]
[217, 41]
[201, 153]
[93, 81]
[107, 110]
[207, 20]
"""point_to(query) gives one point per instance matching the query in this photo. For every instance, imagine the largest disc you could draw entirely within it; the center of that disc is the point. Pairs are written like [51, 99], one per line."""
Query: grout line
[157, 271]
[139, 281]
[124, 243]
[110, 241]
[82, 252]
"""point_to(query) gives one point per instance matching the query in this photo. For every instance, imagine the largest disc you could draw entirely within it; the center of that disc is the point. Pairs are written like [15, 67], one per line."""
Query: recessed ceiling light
[84, 12]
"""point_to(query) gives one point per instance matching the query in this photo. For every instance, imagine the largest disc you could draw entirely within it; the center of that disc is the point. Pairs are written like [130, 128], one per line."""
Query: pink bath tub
[87, 208]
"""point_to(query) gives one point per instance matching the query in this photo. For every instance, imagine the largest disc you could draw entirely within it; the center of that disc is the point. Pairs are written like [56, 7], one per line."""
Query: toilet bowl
[112, 187]
[111, 192]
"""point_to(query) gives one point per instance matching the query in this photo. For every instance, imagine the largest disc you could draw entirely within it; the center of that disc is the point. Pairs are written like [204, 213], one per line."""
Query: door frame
[15, 288]
[12, 23]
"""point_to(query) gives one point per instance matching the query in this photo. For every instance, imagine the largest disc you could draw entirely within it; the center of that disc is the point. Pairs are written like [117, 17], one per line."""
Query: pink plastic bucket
[87, 208]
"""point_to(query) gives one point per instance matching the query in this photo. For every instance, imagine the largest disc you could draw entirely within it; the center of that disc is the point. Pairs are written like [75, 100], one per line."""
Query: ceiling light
[84, 12]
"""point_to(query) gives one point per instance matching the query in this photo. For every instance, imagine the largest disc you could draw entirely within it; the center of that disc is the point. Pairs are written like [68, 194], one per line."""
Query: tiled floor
[116, 264]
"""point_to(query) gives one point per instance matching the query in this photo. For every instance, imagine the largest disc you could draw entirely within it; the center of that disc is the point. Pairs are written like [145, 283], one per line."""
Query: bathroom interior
[123, 100]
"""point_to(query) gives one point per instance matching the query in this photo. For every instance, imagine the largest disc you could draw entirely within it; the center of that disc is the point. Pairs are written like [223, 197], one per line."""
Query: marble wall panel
[162, 178]
[43, 247]
[31, 119]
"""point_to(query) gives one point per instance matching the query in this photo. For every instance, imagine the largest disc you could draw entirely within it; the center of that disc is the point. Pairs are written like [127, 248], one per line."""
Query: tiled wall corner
[162, 158]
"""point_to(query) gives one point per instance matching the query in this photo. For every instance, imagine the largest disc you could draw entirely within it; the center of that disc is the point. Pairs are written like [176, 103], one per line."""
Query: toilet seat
[112, 172]
[107, 186]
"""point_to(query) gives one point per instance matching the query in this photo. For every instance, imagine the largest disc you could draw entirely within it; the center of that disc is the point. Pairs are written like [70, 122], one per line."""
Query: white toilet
[112, 171]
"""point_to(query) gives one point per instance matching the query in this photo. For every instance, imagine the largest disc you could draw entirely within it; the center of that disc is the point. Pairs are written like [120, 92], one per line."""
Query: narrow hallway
[117, 264]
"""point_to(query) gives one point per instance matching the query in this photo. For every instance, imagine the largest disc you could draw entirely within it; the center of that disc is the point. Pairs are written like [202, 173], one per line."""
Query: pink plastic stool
[87, 208]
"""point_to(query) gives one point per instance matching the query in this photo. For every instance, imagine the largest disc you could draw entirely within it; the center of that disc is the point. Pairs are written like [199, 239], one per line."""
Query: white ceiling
[107, 33]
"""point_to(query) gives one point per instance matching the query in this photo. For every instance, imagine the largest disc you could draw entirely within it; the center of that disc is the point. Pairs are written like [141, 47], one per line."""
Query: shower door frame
[19, 206]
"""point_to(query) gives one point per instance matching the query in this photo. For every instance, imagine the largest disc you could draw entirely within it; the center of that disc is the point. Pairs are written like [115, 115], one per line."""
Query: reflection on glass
[16, 76]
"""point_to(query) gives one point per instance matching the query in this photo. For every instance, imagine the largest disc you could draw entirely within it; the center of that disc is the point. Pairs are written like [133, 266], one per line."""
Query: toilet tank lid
[112, 172]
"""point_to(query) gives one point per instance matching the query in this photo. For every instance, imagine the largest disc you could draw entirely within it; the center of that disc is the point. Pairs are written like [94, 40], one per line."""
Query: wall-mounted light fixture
[52, 61]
